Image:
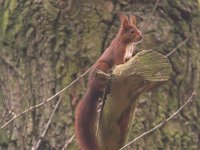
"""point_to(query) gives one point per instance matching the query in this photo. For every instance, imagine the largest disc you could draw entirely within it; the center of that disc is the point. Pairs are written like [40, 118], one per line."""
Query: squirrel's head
[128, 31]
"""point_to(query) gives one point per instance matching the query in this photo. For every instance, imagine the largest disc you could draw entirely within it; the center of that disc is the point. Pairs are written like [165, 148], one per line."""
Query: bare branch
[149, 17]
[36, 146]
[177, 47]
[162, 123]
[68, 142]
[46, 101]
[154, 9]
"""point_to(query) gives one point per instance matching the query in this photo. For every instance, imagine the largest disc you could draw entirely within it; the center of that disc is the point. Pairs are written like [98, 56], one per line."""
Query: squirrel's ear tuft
[132, 19]
[123, 19]
[125, 23]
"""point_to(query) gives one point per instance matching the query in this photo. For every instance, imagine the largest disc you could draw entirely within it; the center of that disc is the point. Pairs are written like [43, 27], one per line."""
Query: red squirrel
[117, 53]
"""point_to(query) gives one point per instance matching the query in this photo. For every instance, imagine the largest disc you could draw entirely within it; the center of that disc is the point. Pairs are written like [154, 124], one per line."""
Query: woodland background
[45, 45]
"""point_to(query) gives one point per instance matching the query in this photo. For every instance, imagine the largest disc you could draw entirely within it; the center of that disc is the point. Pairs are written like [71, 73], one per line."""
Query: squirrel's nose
[140, 38]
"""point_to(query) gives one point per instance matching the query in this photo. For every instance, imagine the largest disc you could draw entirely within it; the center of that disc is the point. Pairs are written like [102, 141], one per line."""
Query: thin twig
[46, 101]
[11, 112]
[154, 9]
[36, 146]
[68, 142]
[146, 19]
[162, 123]
[179, 45]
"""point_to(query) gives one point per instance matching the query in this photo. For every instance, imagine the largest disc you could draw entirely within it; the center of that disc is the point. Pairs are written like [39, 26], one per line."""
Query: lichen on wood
[131, 79]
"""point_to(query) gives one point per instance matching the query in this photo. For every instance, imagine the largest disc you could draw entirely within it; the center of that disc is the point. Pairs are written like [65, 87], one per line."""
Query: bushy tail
[86, 114]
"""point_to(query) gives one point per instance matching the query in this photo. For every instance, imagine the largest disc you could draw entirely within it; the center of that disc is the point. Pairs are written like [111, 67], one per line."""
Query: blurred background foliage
[45, 45]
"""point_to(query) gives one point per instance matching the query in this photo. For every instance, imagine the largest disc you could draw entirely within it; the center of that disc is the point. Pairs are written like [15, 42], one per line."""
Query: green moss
[3, 138]
[199, 4]
[172, 128]
[50, 9]
[73, 68]
[10, 6]
[5, 20]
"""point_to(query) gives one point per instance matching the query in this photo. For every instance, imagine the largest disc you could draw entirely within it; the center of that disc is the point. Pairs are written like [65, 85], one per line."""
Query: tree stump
[144, 72]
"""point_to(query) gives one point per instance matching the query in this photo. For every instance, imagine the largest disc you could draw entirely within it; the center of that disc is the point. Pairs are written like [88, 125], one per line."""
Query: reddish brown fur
[86, 111]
